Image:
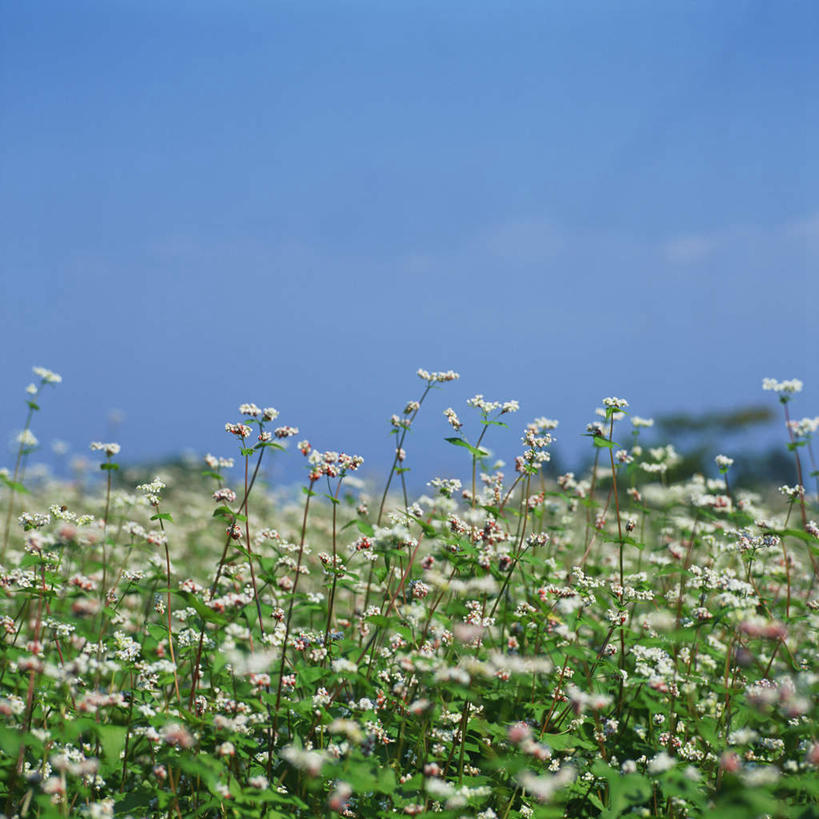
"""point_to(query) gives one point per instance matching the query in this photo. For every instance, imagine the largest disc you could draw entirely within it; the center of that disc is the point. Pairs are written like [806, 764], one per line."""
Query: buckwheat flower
[510, 406]
[33, 521]
[286, 432]
[48, 376]
[31, 389]
[453, 419]
[309, 761]
[224, 495]
[784, 388]
[412, 406]
[479, 402]
[264, 437]
[723, 462]
[637, 421]
[437, 377]
[250, 409]
[543, 788]
[27, 438]
[177, 735]
[615, 403]
[792, 492]
[110, 449]
[269, 414]
[804, 427]
[240, 430]
[337, 801]
[151, 490]
[660, 763]
[304, 447]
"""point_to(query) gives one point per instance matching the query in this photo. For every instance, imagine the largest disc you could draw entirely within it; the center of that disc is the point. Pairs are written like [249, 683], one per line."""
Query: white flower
[110, 449]
[723, 461]
[438, 377]
[48, 376]
[615, 403]
[786, 387]
[637, 421]
[27, 438]
[660, 763]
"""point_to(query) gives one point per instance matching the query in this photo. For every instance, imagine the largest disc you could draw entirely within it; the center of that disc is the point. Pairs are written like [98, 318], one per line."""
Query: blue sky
[299, 204]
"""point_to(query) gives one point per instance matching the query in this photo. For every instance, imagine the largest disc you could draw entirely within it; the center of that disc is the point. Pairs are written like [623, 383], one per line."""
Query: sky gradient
[299, 204]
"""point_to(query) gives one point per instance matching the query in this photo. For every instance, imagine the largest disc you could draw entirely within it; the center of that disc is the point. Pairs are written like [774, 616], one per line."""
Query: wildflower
[723, 462]
[286, 432]
[337, 800]
[240, 430]
[453, 419]
[151, 490]
[250, 409]
[47, 376]
[27, 438]
[615, 403]
[110, 449]
[637, 421]
[309, 761]
[660, 763]
[177, 735]
[792, 492]
[544, 787]
[437, 377]
[785, 388]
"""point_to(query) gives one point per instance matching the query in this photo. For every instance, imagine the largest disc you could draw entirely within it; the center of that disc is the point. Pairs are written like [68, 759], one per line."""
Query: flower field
[614, 643]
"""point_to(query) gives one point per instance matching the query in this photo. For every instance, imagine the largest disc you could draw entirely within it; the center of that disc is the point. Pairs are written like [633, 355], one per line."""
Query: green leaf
[603, 443]
[626, 539]
[477, 452]
[162, 516]
[15, 486]
[270, 444]
[112, 740]
[205, 612]
[109, 467]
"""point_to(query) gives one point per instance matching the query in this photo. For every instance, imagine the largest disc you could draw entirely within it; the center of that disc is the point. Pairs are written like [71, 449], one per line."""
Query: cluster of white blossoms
[253, 411]
[615, 403]
[438, 377]
[47, 376]
[637, 421]
[27, 438]
[151, 490]
[486, 407]
[787, 387]
[723, 461]
[792, 492]
[804, 427]
[218, 463]
[453, 419]
[110, 449]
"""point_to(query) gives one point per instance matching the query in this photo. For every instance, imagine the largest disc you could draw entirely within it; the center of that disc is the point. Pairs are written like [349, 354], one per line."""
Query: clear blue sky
[299, 204]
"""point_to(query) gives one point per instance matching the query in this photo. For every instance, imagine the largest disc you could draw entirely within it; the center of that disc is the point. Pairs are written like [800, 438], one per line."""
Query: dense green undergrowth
[504, 646]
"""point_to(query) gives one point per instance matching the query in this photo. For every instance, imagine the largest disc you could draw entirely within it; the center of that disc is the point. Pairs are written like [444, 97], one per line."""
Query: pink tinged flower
[240, 430]
[337, 800]
[519, 732]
